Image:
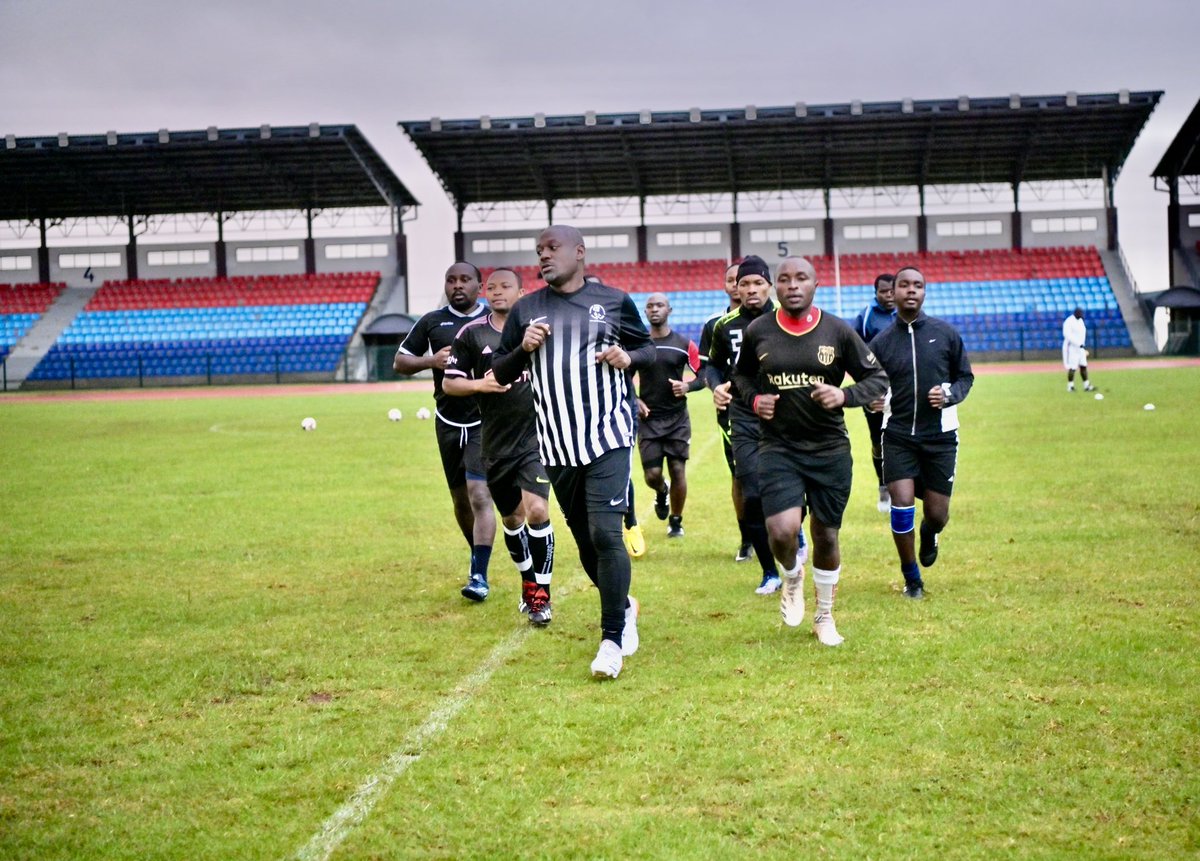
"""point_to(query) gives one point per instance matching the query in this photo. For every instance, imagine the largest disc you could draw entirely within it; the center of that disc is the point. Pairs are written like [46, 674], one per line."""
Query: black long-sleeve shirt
[919, 356]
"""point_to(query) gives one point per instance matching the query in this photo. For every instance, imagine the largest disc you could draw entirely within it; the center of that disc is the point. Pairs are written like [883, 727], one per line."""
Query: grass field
[225, 638]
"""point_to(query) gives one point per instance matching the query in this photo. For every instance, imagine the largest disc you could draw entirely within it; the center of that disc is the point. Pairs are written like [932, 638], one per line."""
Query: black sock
[756, 528]
[518, 550]
[481, 556]
[541, 548]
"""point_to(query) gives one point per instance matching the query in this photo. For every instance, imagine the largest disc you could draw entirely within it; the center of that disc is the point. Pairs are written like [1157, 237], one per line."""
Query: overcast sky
[86, 66]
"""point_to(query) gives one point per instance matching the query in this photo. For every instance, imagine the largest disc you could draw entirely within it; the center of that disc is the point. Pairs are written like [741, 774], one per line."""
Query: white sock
[792, 573]
[826, 583]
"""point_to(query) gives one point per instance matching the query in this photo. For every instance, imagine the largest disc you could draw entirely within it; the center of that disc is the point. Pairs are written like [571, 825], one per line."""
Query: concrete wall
[718, 250]
[386, 265]
[903, 245]
[772, 250]
[1003, 239]
[19, 276]
[1097, 237]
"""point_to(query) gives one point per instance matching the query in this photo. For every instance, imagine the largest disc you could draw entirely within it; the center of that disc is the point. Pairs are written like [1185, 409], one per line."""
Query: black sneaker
[745, 553]
[916, 590]
[928, 552]
[662, 506]
[675, 526]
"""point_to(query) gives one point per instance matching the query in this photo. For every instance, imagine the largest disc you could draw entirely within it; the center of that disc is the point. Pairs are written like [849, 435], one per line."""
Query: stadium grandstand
[1006, 203]
[271, 248]
[1178, 173]
[268, 253]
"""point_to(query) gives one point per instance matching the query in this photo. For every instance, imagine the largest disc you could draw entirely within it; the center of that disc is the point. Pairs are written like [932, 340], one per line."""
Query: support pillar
[131, 261]
[922, 223]
[310, 246]
[643, 236]
[1110, 211]
[1018, 238]
[460, 241]
[829, 238]
[735, 233]
[1173, 230]
[43, 255]
[222, 263]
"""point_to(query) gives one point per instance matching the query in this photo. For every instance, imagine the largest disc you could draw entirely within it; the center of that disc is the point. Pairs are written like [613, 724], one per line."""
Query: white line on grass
[359, 805]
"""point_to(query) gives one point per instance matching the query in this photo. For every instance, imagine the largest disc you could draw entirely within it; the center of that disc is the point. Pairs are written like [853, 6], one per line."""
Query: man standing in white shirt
[1074, 352]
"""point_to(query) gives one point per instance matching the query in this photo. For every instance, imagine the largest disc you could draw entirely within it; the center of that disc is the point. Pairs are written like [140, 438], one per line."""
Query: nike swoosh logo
[932, 340]
[541, 480]
[616, 501]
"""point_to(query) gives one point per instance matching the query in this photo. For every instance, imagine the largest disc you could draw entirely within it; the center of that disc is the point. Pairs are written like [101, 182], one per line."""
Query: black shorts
[669, 436]
[929, 463]
[745, 436]
[600, 486]
[726, 445]
[462, 453]
[507, 477]
[790, 478]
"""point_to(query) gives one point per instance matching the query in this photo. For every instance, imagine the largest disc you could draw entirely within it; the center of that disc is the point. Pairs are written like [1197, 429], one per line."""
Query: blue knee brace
[902, 518]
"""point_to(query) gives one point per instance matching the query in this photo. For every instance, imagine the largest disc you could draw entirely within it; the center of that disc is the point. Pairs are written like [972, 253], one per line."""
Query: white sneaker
[791, 600]
[1088, 387]
[629, 636]
[885, 500]
[607, 664]
[769, 586]
[826, 631]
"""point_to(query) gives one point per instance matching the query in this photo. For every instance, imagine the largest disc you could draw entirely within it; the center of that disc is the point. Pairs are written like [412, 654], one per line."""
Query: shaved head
[560, 251]
[564, 233]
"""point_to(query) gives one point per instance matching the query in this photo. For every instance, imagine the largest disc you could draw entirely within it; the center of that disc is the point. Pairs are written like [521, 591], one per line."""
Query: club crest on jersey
[825, 355]
[596, 312]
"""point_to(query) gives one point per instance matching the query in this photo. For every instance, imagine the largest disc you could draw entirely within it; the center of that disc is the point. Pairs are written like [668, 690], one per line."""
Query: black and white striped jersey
[582, 407]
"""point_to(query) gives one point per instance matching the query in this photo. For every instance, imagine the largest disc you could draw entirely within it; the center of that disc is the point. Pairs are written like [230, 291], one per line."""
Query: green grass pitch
[216, 630]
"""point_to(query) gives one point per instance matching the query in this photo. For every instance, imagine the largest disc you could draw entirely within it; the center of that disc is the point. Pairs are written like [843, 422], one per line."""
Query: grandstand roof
[212, 170]
[1182, 157]
[948, 141]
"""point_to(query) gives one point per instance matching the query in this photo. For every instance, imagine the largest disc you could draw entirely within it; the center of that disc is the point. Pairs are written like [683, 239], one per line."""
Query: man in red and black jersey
[790, 373]
[515, 475]
[427, 347]
[665, 429]
[754, 287]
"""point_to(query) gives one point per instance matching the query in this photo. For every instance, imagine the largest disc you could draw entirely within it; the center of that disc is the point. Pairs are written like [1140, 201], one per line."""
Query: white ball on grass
[1099, 396]
[1148, 407]
[395, 415]
[423, 413]
[309, 424]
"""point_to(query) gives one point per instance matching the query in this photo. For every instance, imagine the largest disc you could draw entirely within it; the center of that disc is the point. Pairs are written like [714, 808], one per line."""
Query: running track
[299, 389]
